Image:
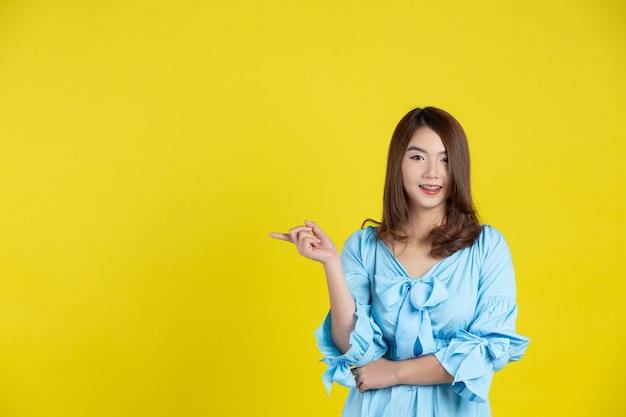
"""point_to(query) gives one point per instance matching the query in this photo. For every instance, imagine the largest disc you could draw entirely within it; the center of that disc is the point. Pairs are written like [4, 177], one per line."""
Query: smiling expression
[425, 172]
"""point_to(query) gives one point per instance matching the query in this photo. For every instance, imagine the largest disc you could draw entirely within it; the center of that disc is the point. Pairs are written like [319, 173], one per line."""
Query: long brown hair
[461, 227]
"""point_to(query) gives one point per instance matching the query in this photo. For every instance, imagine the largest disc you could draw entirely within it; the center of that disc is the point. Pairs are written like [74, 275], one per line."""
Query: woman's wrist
[333, 266]
[398, 372]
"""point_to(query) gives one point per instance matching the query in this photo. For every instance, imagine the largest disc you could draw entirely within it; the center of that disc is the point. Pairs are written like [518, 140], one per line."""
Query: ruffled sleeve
[366, 341]
[491, 341]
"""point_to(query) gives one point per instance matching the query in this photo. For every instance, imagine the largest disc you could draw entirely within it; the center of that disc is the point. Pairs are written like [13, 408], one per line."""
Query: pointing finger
[281, 236]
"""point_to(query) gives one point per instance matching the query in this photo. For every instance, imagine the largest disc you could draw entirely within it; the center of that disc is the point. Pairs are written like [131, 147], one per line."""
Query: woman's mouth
[431, 189]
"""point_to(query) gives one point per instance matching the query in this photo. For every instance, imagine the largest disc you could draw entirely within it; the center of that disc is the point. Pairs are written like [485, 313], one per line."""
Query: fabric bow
[338, 371]
[473, 350]
[474, 360]
[414, 334]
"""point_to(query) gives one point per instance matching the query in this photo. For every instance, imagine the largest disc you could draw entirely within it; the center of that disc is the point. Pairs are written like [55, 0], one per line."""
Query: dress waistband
[391, 348]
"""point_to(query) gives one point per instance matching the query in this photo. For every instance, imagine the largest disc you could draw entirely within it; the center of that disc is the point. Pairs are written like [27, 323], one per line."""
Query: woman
[422, 306]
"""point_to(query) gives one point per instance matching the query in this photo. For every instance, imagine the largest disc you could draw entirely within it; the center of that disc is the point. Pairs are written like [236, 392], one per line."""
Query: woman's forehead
[427, 140]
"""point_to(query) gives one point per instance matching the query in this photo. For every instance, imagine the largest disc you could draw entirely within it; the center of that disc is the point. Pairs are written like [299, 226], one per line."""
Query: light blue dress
[463, 310]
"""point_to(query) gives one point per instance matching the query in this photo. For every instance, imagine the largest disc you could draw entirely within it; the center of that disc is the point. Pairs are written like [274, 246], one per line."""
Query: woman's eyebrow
[416, 148]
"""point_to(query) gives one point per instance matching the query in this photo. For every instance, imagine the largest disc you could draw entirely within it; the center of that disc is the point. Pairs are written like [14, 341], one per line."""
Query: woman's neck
[421, 224]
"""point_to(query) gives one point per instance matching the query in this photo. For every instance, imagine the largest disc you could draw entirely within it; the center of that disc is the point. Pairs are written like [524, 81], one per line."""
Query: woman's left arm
[383, 373]
[491, 340]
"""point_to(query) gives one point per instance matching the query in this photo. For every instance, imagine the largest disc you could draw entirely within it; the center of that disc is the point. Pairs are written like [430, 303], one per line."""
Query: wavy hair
[460, 227]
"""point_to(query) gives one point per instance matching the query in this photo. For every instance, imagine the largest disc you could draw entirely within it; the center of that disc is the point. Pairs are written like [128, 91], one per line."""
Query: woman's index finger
[281, 236]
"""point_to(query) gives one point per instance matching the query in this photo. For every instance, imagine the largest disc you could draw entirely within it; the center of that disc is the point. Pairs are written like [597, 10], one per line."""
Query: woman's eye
[417, 157]
[444, 160]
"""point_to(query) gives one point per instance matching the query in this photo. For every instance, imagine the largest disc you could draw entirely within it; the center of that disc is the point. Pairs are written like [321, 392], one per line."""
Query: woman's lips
[430, 189]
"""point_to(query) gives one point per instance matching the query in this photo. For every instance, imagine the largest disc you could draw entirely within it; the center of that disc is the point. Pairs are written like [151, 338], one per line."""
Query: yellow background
[148, 147]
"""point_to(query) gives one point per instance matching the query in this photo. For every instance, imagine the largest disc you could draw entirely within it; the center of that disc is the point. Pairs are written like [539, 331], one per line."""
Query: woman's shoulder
[361, 239]
[365, 235]
[490, 239]
[489, 233]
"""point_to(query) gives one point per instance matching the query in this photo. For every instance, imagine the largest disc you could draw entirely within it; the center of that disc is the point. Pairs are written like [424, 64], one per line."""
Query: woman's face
[425, 173]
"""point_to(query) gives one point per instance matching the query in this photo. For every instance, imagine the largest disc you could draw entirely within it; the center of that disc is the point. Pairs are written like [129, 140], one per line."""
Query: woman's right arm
[342, 306]
[314, 244]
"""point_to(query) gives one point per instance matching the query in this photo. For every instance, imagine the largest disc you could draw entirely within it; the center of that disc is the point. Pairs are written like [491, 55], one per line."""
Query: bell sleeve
[366, 340]
[491, 340]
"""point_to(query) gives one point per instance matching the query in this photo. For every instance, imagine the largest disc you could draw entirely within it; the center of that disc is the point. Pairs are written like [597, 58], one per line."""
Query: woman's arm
[342, 306]
[314, 244]
[383, 373]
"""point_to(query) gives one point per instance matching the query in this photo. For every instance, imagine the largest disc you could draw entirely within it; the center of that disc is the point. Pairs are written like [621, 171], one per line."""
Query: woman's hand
[375, 375]
[383, 373]
[311, 242]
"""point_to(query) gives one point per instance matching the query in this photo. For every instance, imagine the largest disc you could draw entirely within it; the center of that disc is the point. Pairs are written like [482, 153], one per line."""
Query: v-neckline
[403, 269]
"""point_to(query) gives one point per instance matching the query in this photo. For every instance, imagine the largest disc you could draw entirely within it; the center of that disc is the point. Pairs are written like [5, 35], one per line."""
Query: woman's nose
[431, 170]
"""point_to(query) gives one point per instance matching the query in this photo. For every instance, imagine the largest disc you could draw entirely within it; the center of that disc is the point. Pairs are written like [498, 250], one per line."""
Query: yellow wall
[147, 147]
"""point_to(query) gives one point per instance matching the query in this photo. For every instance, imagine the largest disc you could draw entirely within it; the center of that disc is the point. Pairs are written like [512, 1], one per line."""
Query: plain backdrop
[148, 147]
